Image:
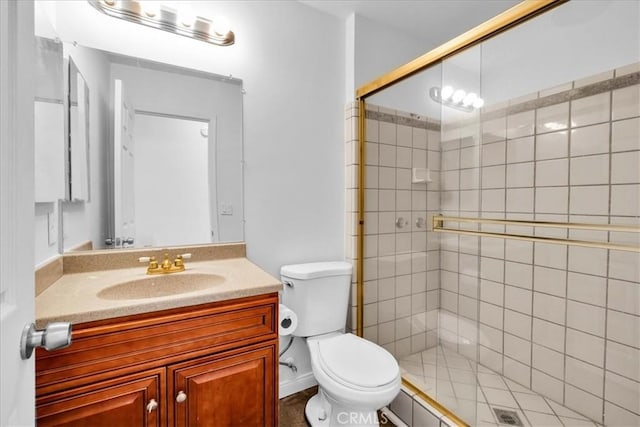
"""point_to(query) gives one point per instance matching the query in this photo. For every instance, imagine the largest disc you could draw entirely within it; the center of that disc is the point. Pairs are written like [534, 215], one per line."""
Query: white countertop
[74, 297]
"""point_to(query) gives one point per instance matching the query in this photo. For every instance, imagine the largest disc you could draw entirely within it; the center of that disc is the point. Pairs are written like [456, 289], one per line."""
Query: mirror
[169, 172]
[78, 92]
[175, 149]
[154, 156]
[50, 148]
[49, 122]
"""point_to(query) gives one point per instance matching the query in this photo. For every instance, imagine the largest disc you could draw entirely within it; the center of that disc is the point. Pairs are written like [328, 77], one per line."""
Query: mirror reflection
[49, 122]
[177, 154]
[158, 140]
[153, 153]
[78, 93]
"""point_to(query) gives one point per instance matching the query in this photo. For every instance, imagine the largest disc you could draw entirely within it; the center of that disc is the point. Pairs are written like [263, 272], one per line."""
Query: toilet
[355, 377]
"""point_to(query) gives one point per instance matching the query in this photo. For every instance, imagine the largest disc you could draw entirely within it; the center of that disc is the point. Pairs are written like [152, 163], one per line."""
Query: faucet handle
[178, 261]
[151, 260]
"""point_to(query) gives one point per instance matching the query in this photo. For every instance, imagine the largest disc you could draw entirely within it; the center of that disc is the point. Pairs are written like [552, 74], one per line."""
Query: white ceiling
[432, 21]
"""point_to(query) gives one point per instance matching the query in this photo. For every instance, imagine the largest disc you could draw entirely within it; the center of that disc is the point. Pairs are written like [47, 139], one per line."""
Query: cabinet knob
[181, 397]
[152, 405]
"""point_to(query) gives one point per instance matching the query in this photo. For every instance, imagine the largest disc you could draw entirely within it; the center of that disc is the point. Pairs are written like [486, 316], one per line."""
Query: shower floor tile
[473, 392]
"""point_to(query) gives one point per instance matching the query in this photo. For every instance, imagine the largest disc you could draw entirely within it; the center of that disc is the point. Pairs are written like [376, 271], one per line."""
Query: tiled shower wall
[561, 320]
[401, 259]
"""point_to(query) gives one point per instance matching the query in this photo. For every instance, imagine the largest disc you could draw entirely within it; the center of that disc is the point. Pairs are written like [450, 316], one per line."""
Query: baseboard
[303, 382]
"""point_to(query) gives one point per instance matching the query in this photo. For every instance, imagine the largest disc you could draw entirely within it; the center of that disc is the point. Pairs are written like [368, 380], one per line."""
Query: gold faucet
[166, 266]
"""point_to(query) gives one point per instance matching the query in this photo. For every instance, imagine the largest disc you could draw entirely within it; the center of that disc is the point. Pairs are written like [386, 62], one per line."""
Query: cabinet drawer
[107, 349]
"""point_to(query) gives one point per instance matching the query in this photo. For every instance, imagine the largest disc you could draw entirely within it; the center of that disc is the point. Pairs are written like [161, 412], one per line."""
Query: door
[123, 166]
[136, 400]
[172, 164]
[16, 209]
[224, 390]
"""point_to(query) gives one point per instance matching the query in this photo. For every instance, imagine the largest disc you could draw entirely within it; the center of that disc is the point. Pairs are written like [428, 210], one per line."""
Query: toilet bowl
[355, 377]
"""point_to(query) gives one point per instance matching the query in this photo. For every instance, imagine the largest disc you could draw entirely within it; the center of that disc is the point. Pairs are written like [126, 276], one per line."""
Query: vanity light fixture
[458, 99]
[183, 22]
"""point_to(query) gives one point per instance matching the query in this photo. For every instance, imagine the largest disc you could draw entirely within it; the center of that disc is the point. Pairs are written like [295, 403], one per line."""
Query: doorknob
[54, 336]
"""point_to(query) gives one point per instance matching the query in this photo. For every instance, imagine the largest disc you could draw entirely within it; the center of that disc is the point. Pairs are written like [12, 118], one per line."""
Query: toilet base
[319, 412]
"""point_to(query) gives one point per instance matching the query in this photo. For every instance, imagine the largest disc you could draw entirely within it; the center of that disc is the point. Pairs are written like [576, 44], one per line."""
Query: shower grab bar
[438, 221]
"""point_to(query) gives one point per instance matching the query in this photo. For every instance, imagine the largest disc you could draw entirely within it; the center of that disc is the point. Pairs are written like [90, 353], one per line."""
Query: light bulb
[478, 103]
[221, 26]
[151, 8]
[468, 100]
[458, 95]
[446, 93]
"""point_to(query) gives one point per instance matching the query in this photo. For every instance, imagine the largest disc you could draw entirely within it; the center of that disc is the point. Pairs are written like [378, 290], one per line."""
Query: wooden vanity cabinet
[126, 401]
[208, 365]
[232, 390]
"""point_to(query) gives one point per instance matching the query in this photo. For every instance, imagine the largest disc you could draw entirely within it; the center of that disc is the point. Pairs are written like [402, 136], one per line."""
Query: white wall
[379, 50]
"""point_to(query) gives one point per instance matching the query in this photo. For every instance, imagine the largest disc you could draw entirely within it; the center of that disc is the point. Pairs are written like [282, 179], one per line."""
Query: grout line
[533, 250]
[458, 255]
[553, 411]
[504, 262]
[518, 403]
[608, 258]
[566, 303]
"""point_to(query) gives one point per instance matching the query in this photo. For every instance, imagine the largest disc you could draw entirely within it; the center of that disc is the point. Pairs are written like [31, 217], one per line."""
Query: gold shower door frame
[518, 14]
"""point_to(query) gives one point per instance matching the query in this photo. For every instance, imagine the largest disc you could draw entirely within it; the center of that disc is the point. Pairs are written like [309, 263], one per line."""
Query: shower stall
[493, 210]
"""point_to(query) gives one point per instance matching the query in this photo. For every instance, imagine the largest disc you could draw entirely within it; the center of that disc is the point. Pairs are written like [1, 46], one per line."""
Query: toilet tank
[319, 295]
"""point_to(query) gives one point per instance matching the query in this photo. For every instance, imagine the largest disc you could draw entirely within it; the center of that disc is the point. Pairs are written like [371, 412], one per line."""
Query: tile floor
[453, 381]
[292, 410]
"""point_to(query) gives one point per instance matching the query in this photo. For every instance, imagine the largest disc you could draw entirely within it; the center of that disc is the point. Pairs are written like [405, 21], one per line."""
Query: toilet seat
[357, 363]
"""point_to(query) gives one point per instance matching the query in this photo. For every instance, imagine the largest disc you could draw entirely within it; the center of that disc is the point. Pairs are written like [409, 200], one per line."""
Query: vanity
[197, 347]
[180, 356]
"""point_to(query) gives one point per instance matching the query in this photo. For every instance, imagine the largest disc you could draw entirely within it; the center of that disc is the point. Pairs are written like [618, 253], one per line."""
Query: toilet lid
[350, 359]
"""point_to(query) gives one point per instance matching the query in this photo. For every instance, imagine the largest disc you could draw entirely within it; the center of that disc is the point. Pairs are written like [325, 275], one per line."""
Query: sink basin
[161, 286]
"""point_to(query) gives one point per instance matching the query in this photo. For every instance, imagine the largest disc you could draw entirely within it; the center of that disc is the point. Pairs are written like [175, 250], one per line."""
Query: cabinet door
[229, 389]
[135, 400]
